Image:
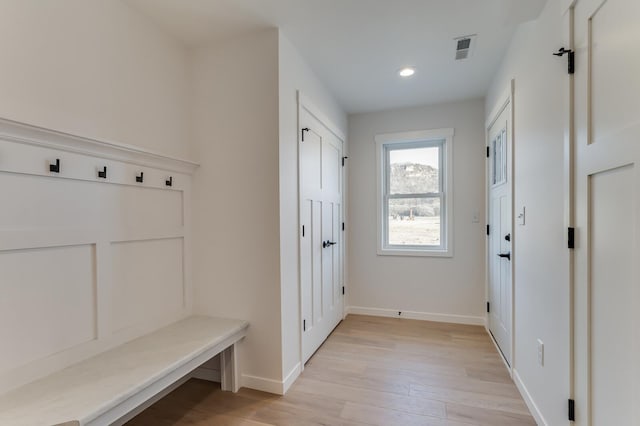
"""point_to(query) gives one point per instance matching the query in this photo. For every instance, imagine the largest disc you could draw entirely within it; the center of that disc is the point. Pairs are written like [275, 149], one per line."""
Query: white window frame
[426, 138]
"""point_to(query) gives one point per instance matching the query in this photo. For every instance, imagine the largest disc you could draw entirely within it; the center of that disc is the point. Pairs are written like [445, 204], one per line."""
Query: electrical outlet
[476, 216]
[541, 353]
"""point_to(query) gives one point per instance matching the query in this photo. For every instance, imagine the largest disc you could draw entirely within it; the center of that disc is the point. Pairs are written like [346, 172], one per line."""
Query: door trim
[304, 103]
[504, 101]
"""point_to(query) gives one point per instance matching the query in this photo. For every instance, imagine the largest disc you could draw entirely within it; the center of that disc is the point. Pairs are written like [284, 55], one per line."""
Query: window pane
[414, 222]
[414, 171]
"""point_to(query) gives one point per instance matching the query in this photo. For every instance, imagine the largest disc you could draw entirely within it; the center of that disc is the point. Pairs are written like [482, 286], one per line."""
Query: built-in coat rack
[55, 167]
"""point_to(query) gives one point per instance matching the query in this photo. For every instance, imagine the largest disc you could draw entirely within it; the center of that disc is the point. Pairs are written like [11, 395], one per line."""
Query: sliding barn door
[607, 196]
[321, 238]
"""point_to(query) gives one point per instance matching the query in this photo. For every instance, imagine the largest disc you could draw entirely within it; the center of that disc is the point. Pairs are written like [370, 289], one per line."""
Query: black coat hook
[169, 182]
[55, 168]
[103, 173]
[140, 178]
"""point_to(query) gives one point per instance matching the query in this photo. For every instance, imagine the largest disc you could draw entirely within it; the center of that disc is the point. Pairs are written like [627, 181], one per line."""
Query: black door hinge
[343, 226]
[571, 238]
[488, 152]
[488, 307]
[571, 68]
[488, 229]
[306, 129]
[572, 410]
[304, 325]
[344, 158]
[343, 290]
[303, 230]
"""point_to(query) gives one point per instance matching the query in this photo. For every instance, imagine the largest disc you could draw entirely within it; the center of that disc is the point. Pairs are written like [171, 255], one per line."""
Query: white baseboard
[262, 384]
[206, 374]
[424, 316]
[291, 377]
[535, 412]
[269, 385]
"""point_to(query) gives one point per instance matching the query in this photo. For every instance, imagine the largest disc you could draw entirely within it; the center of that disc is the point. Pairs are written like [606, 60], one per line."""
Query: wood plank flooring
[370, 371]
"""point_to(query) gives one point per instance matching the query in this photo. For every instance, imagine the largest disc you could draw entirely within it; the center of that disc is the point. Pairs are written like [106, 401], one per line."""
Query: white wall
[541, 258]
[295, 75]
[451, 287]
[93, 68]
[236, 195]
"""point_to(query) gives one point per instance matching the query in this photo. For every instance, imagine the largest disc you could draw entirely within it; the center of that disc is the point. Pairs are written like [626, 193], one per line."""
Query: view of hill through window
[414, 221]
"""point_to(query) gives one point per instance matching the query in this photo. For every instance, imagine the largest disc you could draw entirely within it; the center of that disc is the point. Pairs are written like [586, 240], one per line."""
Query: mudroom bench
[114, 386]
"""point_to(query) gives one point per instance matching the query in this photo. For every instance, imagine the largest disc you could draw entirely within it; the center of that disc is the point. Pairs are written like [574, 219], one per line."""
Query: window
[414, 193]
[499, 166]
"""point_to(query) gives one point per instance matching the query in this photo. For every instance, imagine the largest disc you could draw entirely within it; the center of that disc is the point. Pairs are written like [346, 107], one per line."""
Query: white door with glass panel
[607, 211]
[321, 236]
[500, 232]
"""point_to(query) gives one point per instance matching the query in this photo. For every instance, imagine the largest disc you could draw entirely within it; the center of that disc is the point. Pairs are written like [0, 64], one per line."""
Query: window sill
[415, 253]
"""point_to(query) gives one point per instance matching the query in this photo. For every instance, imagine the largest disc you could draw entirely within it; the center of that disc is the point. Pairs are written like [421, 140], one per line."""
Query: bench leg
[229, 370]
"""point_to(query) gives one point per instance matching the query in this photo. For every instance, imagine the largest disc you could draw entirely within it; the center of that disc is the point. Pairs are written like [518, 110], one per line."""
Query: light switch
[522, 216]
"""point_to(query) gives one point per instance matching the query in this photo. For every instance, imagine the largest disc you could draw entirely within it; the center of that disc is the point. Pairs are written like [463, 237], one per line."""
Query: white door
[321, 236]
[500, 233]
[607, 218]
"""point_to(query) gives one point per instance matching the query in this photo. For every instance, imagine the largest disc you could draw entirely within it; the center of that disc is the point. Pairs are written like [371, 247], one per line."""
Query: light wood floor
[370, 371]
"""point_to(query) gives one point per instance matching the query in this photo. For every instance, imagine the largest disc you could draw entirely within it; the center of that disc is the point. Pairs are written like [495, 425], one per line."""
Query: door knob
[505, 255]
[328, 243]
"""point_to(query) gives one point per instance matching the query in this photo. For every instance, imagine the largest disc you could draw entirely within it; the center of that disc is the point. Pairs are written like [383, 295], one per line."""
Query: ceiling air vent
[464, 47]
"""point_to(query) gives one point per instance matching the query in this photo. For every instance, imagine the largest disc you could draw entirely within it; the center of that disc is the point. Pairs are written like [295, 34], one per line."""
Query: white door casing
[500, 239]
[606, 151]
[321, 236]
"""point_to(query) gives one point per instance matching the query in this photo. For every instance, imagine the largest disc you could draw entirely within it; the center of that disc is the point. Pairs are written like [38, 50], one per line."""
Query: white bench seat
[113, 386]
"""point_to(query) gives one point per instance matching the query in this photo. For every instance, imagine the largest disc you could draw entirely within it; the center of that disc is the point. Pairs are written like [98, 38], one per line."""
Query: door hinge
[306, 129]
[344, 158]
[343, 226]
[572, 410]
[571, 238]
[571, 56]
[343, 290]
[488, 152]
[304, 325]
[488, 229]
[303, 230]
[488, 307]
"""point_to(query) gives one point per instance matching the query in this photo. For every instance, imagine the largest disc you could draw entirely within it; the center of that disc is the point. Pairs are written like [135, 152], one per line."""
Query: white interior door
[321, 236]
[500, 232]
[607, 189]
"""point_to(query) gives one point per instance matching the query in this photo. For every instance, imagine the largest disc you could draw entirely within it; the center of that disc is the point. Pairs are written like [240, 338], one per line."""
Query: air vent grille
[464, 47]
[464, 44]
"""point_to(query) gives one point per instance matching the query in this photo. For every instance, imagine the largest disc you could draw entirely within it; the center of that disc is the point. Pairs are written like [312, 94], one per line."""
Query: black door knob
[505, 255]
[328, 243]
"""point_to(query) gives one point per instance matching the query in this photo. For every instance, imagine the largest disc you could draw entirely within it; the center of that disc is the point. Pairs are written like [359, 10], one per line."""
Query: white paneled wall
[86, 262]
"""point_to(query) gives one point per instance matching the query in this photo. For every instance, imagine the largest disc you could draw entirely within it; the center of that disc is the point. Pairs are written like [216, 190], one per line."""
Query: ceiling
[356, 47]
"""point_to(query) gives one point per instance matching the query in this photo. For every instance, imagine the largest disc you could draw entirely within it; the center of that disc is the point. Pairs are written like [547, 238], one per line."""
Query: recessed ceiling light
[407, 72]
